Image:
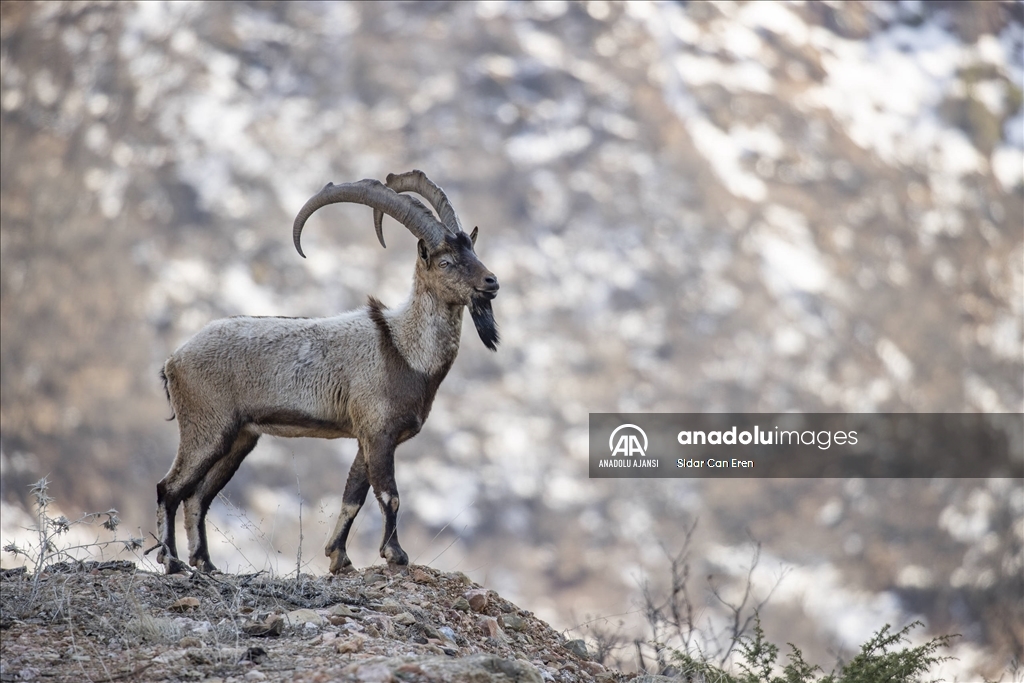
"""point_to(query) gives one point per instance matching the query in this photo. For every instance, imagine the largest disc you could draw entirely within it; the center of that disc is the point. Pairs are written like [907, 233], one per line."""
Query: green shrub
[883, 659]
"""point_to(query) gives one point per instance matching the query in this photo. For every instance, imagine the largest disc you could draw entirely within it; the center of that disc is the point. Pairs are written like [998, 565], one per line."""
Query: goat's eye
[443, 263]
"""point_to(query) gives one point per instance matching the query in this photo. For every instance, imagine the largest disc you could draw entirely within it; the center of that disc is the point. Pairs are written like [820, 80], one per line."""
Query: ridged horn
[408, 211]
[418, 182]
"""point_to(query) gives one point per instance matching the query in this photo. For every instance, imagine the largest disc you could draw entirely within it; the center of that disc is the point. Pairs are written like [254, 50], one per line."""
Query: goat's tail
[167, 391]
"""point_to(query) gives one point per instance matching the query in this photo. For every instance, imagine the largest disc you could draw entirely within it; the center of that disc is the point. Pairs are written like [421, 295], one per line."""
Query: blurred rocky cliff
[691, 207]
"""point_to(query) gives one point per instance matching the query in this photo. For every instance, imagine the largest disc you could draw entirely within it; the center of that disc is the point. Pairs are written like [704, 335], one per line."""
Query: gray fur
[369, 374]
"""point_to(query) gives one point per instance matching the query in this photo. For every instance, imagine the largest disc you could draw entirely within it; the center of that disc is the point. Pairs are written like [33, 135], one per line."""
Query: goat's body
[370, 375]
[301, 377]
[289, 396]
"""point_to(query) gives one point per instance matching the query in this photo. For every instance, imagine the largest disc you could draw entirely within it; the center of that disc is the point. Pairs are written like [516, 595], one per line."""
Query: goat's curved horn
[408, 211]
[418, 182]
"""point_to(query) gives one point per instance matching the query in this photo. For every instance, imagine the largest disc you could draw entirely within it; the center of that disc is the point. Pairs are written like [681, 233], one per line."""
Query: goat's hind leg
[167, 554]
[356, 488]
[194, 460]
[197, 504]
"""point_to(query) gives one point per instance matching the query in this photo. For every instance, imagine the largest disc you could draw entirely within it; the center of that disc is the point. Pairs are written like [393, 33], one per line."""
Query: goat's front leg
[381, 464]
[352, 500]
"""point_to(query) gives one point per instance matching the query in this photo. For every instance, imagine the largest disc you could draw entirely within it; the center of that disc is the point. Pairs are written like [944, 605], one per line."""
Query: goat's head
[447, 265]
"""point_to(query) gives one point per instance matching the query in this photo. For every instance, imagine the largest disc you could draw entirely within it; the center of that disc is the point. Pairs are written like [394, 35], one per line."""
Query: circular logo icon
[628, 444]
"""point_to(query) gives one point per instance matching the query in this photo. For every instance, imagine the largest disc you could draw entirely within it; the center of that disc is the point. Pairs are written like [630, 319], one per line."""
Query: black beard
[483, 318]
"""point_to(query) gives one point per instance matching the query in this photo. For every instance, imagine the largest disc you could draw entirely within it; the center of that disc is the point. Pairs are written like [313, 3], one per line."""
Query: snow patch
[533, 149]
[790, 261]
[723, 152]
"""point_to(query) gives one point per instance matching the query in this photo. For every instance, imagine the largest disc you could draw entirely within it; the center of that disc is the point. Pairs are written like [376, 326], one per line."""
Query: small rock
[511, 622]
[508, 669]
[342, 610]
[592, 668]
[328, 637]
[255, 675]
[420, 576]
[184, 605]
[447, 632]
[409, 669]
[390, 606]
[272, 626]
[300, 617]
[461, 578]
[405, 618]
[371, 579]
[462, 604]
[337, 621]
[190, 641]
[477, 599]
[379, 625]
[489, 625]
[347, 647]
[578, 648]
[376, 672]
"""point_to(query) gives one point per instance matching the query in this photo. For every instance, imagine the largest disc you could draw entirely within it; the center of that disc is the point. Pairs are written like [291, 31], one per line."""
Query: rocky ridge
[113, 621]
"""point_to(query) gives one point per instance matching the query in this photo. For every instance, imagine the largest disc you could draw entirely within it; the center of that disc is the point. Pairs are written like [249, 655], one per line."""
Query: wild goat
[369, 374]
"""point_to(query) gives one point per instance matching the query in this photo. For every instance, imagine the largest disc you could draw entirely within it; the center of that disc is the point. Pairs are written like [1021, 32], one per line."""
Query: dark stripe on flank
[294, 418]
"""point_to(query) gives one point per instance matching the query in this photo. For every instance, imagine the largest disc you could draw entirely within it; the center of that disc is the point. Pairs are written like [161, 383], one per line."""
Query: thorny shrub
[49, 529]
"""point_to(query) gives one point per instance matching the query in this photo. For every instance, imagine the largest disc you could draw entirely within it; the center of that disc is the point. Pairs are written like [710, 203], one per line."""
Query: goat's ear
[421, 246]
[472, 235]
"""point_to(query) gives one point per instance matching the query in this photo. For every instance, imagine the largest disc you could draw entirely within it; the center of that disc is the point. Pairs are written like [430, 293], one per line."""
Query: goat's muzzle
[490, 288]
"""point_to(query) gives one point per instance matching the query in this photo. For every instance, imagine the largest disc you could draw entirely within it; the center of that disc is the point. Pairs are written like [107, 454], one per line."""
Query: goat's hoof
[340, 562]
[173, 565]
[204, 565]
[395, 556]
